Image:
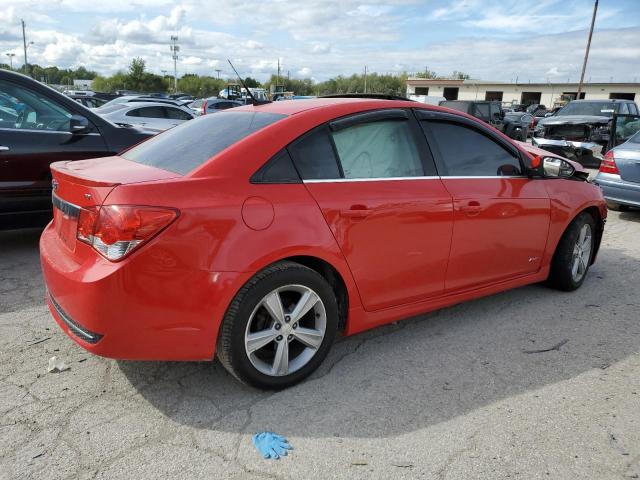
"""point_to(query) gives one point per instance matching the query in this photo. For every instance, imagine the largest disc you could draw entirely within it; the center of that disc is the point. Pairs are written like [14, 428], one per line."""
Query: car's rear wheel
[279, 327]
[572, 258]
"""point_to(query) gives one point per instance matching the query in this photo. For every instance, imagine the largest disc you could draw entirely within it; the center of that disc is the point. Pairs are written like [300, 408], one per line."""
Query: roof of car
[291, 107]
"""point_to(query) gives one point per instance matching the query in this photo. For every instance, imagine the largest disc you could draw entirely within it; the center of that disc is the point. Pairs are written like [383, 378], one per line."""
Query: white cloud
[304, 72]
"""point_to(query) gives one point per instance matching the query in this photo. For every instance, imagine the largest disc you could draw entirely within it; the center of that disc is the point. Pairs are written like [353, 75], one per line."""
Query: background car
[580, 129]
[39, 125]
[144, 98]
[513, 124]
[89, 102]
[619, 175]
[256, 234]
[203, 106]
[152, 115]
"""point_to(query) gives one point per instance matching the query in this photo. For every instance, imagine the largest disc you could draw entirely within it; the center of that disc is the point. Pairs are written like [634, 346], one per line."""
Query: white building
[545, 93]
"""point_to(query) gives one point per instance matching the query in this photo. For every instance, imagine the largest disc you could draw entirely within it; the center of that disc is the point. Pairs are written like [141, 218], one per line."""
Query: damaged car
[580, 130]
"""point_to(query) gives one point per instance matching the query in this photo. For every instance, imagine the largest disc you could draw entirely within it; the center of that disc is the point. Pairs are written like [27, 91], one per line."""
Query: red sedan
[257, 234]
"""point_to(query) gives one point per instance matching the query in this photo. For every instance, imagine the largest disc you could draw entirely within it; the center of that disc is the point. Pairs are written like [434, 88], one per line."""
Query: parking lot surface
[461, 393]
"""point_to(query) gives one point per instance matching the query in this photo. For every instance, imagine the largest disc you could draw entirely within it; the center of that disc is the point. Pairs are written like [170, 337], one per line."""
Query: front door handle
[471, 208]
[356, 213]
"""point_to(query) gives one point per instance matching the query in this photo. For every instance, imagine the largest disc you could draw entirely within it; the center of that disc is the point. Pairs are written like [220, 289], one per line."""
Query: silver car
[150, 115]
[619, 175]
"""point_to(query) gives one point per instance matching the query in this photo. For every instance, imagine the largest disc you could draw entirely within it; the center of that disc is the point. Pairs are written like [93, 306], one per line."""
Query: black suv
[38, 126]
[513, 124]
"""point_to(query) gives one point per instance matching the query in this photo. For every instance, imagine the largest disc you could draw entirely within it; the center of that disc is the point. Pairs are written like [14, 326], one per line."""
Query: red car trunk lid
[87, 183]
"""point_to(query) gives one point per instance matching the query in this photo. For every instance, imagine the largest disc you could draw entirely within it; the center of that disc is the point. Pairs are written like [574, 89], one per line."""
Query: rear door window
[384, 149]
[189, 145]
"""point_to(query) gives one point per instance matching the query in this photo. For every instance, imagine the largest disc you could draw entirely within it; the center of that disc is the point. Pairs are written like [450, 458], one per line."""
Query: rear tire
[573, 254]
[279, 327]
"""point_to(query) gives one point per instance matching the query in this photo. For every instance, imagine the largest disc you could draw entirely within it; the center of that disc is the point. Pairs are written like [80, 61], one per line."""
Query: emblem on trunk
[87, 196]
[54, 185]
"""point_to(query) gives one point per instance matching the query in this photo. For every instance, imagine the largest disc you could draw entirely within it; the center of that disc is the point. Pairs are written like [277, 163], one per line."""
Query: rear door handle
[471, 208]
[356, 213]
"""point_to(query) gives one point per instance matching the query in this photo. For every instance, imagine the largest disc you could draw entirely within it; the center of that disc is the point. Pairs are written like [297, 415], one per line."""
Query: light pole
[175, 48]
[586, 53]
[218, 72]
[11, 55]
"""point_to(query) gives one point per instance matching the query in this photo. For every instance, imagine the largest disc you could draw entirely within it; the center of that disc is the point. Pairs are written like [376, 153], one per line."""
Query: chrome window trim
[35, 130]
[457, 177]
[373, 179]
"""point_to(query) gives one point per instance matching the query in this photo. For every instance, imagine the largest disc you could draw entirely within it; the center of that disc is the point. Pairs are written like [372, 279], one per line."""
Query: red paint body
[420, 245]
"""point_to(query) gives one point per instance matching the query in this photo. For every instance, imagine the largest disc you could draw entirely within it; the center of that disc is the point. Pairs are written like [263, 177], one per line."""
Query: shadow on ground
[422, 371]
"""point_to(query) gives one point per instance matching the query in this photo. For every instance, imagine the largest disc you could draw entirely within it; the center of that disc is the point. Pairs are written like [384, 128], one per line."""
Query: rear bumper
[617, 190]
[143, 308]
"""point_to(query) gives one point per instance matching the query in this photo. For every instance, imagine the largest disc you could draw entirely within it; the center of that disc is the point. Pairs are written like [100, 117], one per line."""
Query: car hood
[574, 120]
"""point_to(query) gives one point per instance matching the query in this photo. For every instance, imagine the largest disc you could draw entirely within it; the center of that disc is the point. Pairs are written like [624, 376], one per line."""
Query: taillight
[114, 231]
[204, 108]
[608, 164]
[532, 125]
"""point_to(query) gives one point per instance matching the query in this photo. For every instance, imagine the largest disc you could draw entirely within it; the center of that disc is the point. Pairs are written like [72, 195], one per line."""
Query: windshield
[600, 109]
[187, 146]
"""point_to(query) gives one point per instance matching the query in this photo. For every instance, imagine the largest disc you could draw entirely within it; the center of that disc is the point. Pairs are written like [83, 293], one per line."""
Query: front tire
[573, 254]
[279, 327]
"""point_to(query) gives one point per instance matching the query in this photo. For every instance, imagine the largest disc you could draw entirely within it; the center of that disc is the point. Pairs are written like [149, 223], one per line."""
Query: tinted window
[314, 157]
[187, 146]
[147, 112]
[177, 114]
[624, 109]
[381, 149]
[482, 111]
[467, 152]
[29, 110]
[279, 169]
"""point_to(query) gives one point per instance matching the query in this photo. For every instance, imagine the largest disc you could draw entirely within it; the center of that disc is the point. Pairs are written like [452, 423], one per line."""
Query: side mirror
[78, 124]
[550, 167]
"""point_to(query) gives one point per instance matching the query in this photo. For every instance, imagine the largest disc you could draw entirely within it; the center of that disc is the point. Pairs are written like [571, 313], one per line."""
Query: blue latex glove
[271, 445]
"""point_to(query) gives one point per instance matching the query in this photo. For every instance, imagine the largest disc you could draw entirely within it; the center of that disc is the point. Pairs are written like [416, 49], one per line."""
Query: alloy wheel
[285, 330]
[581, 253]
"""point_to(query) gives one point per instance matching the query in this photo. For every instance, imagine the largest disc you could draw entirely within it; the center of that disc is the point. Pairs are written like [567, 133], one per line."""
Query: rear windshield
[187, 146]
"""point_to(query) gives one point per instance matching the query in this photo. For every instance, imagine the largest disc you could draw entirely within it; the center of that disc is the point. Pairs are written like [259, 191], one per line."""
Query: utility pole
[586, 53]
[175, 48]
[218, 72]
[365, 79]
[11, 55]
[278, 76]
[24, 43]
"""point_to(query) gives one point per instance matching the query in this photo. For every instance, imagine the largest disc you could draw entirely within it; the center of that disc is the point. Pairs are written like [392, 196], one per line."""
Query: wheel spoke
[583, 233]
[255, 341]
[273, 305]
[575, 266]
[281, 359]
[582, 266]
[306, 303]
[311, 338]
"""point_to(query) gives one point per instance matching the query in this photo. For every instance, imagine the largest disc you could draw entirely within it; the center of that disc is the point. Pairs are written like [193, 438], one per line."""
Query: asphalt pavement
[462, 393]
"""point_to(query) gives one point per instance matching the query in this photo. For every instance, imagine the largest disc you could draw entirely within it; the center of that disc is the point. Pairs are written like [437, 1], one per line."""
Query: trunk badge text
[87, 196]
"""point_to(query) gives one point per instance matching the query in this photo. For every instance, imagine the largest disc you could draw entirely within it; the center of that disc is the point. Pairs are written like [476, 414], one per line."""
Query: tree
[251, 82]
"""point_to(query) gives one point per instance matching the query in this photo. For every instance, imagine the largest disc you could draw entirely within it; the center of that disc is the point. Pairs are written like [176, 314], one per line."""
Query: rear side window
[314, 157]
[187, 146]
[147, 112]
[177, 114]
[465, 152]
[384, 149]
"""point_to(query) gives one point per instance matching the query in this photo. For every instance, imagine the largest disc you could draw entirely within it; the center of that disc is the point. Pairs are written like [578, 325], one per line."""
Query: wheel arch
[595, 212]
[333, 278]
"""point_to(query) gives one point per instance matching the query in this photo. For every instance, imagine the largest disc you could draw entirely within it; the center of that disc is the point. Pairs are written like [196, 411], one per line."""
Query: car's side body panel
[168, 299]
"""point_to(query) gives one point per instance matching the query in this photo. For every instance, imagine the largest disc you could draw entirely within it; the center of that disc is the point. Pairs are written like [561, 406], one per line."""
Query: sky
[501, 40]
